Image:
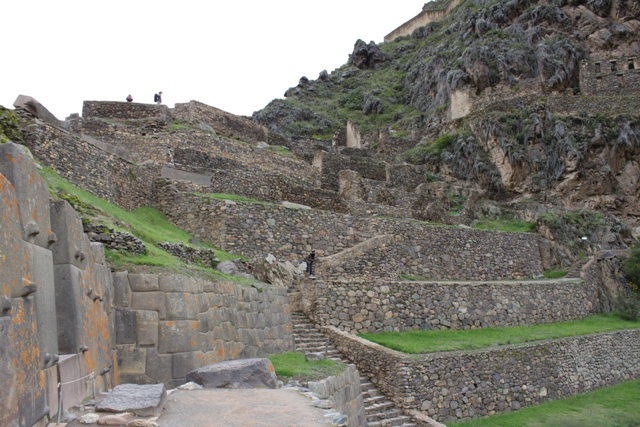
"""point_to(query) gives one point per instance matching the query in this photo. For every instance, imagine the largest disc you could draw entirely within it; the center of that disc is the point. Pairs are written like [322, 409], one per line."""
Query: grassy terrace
[146, 223]
[294, 365]
[416, 342]
[615, 406]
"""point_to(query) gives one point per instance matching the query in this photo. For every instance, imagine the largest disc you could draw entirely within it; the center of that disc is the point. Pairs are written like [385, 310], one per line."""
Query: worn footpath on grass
[240, 408]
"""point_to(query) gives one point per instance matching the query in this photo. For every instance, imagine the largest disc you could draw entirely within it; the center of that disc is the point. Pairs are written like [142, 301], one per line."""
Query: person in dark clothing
[129, 98]
[157, 98]
[310, 260]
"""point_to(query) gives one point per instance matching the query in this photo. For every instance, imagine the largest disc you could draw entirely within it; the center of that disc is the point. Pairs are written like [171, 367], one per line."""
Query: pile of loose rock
[115, 240]
[202, 256]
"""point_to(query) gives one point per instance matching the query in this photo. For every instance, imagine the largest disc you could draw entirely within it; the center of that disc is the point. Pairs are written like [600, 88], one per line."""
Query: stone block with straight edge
[71, 246]
[244, 373]
[32, 192]
[143, 400]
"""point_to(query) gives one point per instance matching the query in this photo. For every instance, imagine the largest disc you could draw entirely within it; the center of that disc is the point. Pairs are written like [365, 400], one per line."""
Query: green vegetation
[615, 406]
[178, 125]
[9, 126]
[280, 150]
[554, 274]
[631, 268]
[146, 223]
[504, 225]
[415, 342]
[294, 365]
[232, 197]
[627, 306]
[427, 149]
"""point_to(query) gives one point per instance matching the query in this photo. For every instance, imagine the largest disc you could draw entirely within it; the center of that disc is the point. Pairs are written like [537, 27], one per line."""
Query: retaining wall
[437, 252]
[404, 306]
[255, 229]
[616, 76]
[423, 18]
[168, 326]
[104, 174]
[345, 392]
[125, 110]
[455, 386]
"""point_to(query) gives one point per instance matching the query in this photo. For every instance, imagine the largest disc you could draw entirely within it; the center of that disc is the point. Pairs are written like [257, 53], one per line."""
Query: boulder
[143, 400]
[89, 419]
[273, 272]
[112, 420]
[244, 373]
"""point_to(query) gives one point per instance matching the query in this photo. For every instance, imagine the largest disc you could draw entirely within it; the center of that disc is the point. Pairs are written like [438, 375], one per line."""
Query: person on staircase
[310, 259]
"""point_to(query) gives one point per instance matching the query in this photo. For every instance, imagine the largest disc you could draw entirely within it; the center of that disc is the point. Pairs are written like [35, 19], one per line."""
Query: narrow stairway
[381, 412]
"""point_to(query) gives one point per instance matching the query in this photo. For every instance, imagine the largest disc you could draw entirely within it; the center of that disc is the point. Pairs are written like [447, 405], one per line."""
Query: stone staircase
[381, 412]
[574, 271]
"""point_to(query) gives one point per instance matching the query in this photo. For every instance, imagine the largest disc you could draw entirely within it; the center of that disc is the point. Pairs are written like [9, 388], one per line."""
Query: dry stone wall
[363, 307]
[80, 162]
[345, 391]
[125, 110]
[168, 326]
[255, 229]
[438, 252]
[225, 123]
[55, 304]
[330, 165]
[455, 386]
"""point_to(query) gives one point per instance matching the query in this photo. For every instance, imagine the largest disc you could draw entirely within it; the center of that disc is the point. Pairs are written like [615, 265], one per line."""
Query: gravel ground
[240, 408]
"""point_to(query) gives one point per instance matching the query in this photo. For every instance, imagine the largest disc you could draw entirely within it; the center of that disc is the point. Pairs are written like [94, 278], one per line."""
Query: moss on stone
[9, 126]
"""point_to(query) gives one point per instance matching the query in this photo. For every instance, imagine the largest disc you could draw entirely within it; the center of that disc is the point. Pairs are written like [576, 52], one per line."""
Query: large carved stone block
[131, 359]
[158, 365]
[178, 284]
[72, 246]
[41, 262]
[68, 296]
[182, 306]
[178, 336]
[121, 289]
[183, 363]
[126, 326]
[32, 193]
[14, 263]
[154, 301]
[143, 282]
[147, 328]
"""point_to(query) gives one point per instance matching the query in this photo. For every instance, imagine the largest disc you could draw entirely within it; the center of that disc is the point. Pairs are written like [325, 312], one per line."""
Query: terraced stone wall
[616, 76]
[86, 165]
[438, 252]
[255, 229]
[361, 307]
[56, 322]
[455, 386]
[168, 326]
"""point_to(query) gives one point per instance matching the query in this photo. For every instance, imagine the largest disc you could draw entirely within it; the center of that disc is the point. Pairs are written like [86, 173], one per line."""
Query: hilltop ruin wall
[423, 18]
[614, 77]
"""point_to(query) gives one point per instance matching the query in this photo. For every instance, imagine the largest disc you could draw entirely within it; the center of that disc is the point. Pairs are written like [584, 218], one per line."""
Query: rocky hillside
[546, 142]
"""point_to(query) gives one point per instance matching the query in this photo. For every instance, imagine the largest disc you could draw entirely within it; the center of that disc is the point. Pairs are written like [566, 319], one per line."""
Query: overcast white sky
[234, 55]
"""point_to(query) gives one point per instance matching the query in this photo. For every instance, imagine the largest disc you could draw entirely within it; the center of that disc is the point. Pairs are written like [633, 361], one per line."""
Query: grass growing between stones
[232, 197]
[502, 225]
[295, 366]
[415, 342]
[615, 406]
[554, 274]
[146, 223]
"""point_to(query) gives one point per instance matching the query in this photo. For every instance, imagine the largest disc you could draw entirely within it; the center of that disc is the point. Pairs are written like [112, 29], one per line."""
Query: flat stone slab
[241, 408]
[143, 400]
[243, 373]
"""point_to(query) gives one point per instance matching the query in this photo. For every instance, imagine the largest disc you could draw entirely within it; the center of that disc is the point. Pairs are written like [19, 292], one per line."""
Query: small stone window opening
[613, 66]
[598, 68]
[631, 65]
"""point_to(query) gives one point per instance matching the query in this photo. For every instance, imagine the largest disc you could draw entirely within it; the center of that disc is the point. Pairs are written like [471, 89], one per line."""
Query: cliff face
[529, 94]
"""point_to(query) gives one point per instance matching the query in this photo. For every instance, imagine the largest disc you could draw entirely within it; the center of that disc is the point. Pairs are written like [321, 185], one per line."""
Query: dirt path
[240, 408]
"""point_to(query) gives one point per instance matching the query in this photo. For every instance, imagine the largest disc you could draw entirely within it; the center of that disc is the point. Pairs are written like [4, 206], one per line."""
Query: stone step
[392, 413]
[402, 421]
[379, 407]
[366, 385]
[370, 401]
